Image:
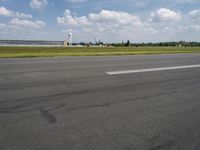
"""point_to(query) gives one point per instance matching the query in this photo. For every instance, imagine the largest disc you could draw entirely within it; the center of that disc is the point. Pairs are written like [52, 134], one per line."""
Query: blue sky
[105, 20]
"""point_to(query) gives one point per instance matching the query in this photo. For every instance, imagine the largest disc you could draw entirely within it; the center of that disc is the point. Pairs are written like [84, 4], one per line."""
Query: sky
[104, 20]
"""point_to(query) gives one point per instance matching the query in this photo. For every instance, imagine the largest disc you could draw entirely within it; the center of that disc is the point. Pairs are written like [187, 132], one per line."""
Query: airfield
[100, 103]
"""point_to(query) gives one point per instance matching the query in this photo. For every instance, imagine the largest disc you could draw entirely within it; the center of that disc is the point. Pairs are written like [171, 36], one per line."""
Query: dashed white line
[152, 69]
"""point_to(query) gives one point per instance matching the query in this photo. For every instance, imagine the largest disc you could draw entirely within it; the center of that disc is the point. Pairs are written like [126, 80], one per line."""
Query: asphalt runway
[72, 103]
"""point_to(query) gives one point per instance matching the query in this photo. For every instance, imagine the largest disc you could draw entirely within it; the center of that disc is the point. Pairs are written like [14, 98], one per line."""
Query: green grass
[18, 52]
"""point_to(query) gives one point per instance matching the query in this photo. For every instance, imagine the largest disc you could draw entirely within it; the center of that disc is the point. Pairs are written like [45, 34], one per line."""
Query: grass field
[18, 52]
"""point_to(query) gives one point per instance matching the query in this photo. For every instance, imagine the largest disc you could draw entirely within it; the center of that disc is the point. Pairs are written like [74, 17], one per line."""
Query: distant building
[66, 43]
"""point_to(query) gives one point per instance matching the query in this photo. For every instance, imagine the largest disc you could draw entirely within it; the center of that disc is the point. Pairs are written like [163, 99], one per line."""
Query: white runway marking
[152, 69]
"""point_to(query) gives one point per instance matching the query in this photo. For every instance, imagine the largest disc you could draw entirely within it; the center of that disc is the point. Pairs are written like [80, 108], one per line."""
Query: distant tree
[100, 43]
[128, 43]
[177, 44]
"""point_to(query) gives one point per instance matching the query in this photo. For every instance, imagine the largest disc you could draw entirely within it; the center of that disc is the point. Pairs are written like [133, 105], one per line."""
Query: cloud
[104, 18]
[6, 12]
[22, 15]
[18, 27]
[69, 20]
[38, 4]
[114, 17]
[162, 25]
[195, 13]
[191, 21]
[21, 24]
[106, 23]
[164, 14]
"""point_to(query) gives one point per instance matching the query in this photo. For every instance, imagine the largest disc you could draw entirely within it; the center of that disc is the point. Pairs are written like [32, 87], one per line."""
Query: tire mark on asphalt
[167, 145]
[48, 116]
[27, 104]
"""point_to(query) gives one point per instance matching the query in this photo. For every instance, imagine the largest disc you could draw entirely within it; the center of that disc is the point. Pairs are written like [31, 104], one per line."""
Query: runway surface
[72, 103]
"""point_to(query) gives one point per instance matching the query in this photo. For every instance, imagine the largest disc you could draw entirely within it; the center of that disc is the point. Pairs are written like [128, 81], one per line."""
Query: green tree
[128, 43]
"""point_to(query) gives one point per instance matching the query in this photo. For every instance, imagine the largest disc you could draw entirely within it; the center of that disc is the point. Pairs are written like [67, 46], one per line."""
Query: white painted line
[152, 69]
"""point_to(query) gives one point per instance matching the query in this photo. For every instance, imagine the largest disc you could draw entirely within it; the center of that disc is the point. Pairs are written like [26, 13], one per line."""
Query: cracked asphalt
[71, 103]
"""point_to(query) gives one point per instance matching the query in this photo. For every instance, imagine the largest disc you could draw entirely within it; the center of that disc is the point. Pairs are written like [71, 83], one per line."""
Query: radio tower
[70, 38]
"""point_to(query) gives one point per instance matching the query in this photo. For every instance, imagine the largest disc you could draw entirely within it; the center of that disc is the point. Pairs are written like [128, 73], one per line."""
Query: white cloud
[69, 20]
[6, 12]
[102, 19]
[114, 17]
[38, 4]
[195, 13]
[164, 14]
[104, 24]
[164, 25]
[22, 15]
[20, 24]
[191, 21]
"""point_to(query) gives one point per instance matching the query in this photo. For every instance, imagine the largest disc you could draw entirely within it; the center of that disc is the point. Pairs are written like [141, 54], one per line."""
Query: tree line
[149, 44]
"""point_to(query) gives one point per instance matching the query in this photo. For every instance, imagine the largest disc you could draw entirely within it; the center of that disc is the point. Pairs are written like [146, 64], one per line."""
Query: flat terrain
[71, 103]
[17, 52]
